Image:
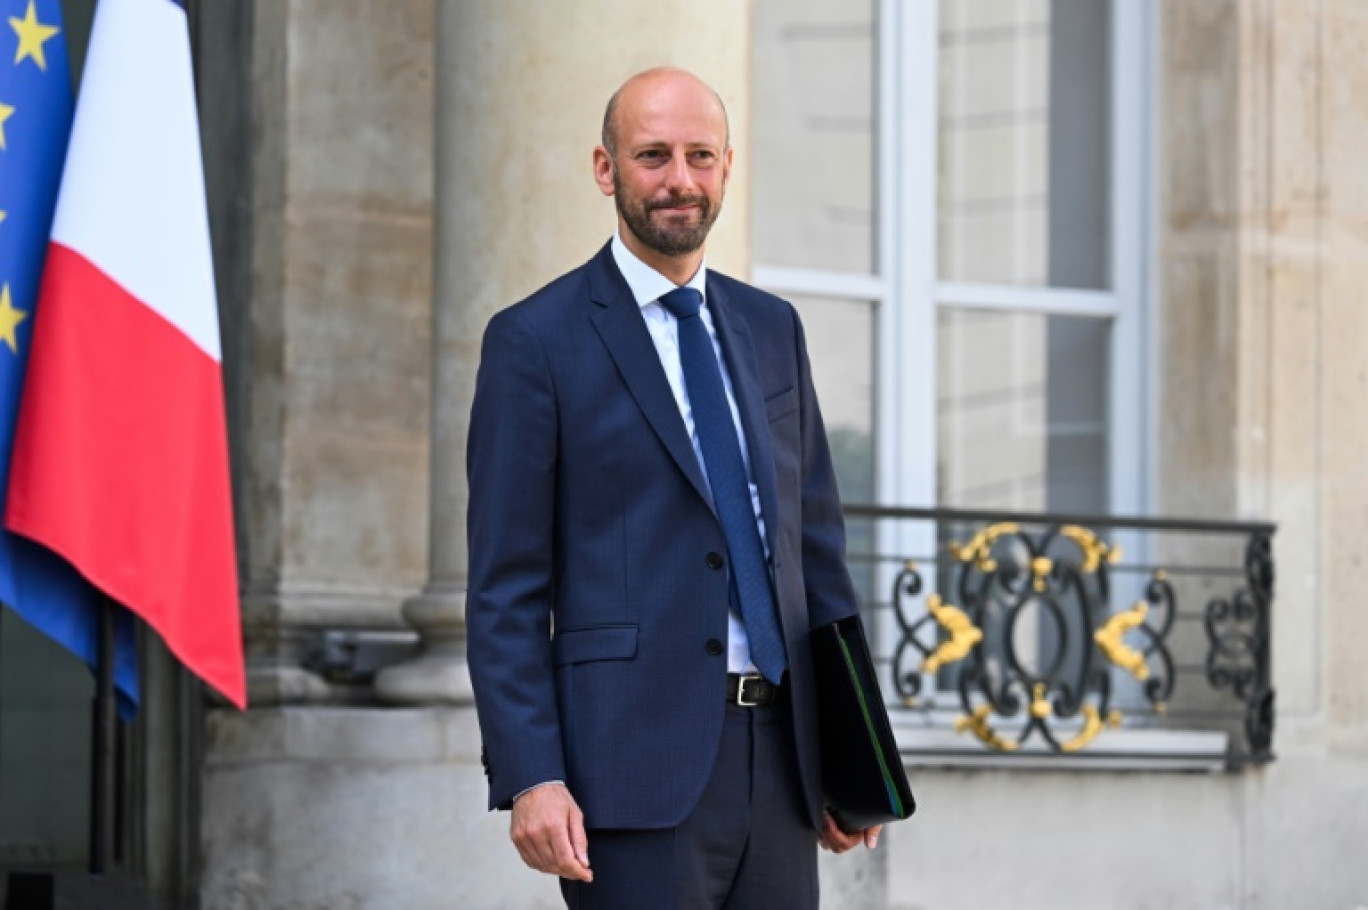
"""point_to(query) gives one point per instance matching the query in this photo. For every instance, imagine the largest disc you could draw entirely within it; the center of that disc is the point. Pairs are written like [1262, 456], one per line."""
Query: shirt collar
[648, 285]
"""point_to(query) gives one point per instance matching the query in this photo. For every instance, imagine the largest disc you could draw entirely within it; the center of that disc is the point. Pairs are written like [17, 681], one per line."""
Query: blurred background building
[1055, 257]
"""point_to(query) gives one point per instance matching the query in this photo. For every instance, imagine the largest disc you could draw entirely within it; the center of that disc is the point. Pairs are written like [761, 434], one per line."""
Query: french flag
[121, 457]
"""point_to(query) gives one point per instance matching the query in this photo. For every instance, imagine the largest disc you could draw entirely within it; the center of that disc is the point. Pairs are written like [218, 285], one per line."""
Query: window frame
[908, 295]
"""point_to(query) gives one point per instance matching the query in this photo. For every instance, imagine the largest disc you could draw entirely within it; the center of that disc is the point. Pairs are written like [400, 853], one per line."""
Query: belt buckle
[741, 691]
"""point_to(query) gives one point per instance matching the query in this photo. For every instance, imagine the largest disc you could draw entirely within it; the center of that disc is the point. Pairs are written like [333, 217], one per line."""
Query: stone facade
[353, 299]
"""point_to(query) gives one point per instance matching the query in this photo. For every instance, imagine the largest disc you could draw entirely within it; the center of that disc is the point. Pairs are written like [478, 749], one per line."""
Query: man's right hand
[548, 830]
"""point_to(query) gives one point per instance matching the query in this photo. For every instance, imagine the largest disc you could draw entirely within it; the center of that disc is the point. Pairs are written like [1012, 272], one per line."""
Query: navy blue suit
[597, 610]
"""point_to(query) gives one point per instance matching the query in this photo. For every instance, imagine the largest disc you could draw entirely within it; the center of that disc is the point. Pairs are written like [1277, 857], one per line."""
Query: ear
[603, 170]
[726, 165]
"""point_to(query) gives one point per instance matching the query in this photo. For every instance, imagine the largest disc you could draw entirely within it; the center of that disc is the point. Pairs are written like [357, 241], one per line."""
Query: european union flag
[36, 102]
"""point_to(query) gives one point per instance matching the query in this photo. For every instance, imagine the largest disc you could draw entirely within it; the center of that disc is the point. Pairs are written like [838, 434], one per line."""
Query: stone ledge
[342, 736]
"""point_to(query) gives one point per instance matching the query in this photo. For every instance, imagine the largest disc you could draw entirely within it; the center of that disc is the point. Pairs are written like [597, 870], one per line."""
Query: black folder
[863, 782]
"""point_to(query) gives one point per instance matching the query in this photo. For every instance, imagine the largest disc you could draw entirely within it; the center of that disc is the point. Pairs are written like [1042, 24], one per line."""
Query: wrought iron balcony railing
[1086, 639]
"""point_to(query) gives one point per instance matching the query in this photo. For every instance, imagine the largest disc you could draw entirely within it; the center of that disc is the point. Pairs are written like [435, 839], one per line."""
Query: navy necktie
[750, 584]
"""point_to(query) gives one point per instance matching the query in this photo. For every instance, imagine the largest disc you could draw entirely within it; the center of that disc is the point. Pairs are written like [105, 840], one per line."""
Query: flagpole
[103, 779]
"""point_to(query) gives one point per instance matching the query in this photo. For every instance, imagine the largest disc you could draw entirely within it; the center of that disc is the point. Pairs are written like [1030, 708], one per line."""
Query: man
[654, 529]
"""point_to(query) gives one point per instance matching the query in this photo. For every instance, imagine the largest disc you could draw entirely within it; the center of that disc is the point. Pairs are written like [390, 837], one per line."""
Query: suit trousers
[747, 845]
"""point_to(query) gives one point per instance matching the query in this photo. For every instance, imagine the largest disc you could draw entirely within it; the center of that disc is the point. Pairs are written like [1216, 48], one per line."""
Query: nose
[677, 173]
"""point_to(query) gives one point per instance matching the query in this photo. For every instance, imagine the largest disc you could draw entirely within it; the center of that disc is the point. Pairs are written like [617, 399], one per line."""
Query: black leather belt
[751, 691]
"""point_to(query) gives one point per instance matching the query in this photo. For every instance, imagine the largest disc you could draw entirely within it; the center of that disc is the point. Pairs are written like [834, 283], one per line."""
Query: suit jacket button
[713, 647]
[714, 560]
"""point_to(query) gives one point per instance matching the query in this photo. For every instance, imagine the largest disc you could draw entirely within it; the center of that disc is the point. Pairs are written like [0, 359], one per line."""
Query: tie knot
[682, 302]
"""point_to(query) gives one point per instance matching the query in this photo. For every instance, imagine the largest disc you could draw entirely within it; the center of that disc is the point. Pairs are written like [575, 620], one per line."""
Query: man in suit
[654, 528]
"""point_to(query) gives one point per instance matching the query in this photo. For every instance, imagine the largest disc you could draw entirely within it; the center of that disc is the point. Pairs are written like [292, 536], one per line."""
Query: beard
[669, 237]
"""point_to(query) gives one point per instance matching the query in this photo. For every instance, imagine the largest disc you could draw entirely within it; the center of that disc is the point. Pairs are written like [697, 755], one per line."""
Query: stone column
[520, 94]
[321, 195]
[439, 675]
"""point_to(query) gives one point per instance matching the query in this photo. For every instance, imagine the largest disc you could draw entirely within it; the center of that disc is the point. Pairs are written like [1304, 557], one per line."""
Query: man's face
[670, 171]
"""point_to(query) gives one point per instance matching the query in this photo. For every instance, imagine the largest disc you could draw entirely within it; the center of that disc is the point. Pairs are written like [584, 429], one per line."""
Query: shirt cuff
[545, 783]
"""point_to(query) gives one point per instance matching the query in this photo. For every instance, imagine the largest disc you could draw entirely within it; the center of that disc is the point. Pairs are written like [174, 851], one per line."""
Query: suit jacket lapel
[739, 351]
[623, 330]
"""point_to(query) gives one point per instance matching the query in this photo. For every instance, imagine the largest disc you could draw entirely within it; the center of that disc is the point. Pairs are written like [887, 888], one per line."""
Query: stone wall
[1262, 370]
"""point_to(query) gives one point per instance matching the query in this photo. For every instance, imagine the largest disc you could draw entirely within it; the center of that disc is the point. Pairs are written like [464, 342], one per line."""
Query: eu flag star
[9, 320]
[32, 34]
[6, 111]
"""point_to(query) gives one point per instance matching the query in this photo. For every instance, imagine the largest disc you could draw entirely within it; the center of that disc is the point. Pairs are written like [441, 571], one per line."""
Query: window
[953, 192]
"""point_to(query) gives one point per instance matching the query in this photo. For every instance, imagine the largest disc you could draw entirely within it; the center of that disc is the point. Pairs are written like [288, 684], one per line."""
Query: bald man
[654, 528]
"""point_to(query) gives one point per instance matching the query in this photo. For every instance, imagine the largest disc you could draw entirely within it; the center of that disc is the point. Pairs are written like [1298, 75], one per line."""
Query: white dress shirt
[647, 287]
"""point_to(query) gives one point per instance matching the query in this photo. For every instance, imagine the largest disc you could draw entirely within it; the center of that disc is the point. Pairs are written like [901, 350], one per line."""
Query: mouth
[677, 206]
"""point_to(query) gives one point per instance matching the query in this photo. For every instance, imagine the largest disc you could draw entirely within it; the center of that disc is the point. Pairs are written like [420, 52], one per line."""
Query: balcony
[1049, 640]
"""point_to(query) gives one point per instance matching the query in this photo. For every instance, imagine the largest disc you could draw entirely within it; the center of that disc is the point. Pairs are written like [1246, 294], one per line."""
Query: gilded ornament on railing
[1095, 550]
[1031, 642]
[1108, 638]
[980, 548]
[977, 724]
[1040, 705]
[963, 634]
[1092, 725]
[1062, 686]
[1041, 567]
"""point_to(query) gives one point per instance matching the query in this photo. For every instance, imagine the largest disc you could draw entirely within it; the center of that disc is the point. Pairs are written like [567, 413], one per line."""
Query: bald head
[665, 160]
[665, 86]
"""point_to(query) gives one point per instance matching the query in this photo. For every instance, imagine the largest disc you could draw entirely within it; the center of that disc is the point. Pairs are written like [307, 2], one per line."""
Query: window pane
[1023, 146]
[840, 340]
[1021, 416]
[813, 173]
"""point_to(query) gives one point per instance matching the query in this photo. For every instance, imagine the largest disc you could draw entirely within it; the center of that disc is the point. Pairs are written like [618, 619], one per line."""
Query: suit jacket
[596, 613]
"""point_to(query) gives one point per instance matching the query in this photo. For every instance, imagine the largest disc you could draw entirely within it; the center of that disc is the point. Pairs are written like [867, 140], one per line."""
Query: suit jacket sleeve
[830, 592]
[511, 467]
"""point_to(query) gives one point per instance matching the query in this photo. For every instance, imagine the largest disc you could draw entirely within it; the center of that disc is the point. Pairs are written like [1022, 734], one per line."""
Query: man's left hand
[832, 838]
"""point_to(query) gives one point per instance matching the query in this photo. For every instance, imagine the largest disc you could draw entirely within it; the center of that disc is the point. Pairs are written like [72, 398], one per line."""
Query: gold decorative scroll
[977, 724]
[1092, 725]
[977, 550]
[1108, 638]
[963, 634]
[1094, 549]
